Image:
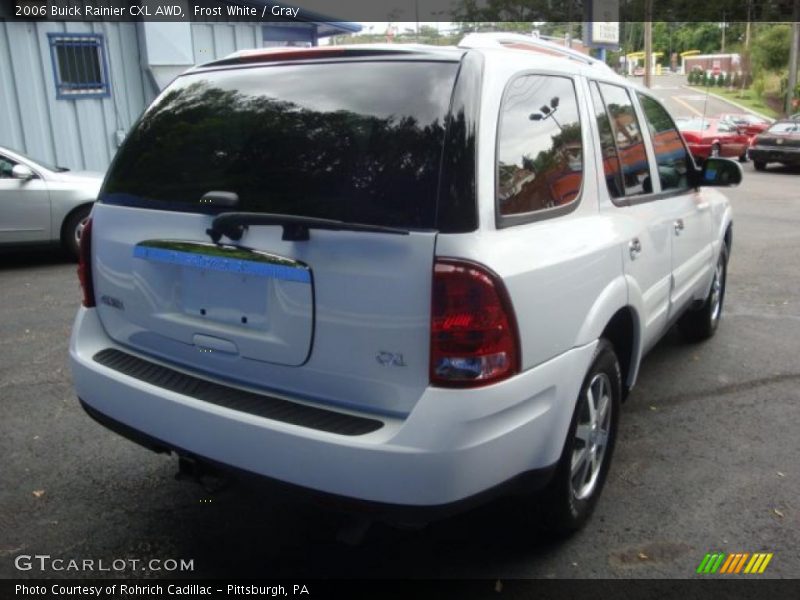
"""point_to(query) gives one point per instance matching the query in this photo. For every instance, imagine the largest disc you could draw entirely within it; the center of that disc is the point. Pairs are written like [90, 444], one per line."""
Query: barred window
[79, 65]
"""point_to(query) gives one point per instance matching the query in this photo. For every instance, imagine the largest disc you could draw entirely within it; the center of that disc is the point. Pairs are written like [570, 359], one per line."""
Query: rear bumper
[523, 483]
[456, 445]
[788, 156]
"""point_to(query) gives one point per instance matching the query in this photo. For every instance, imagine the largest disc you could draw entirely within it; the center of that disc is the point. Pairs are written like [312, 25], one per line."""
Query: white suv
[410, 276]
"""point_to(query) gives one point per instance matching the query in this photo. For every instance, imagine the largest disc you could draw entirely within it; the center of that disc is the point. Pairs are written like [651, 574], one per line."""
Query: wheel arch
[613, 317]
[728, 237]
[622, 332]
[68, 216]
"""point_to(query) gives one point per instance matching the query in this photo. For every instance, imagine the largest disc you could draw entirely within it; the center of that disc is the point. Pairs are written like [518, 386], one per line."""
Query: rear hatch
[285, 300]
[784, 134]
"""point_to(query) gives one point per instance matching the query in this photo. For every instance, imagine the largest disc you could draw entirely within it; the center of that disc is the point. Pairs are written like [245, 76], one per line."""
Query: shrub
[758, 87]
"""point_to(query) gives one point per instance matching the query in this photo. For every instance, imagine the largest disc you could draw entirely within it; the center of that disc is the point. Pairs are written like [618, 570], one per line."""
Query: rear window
[784, 127]
[354, 141]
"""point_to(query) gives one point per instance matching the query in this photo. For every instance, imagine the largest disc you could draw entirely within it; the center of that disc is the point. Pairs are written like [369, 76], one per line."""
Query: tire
[72, 229]
[760, 165]
[744, 157]
[571, 496]
[714, 151]
[702, 323]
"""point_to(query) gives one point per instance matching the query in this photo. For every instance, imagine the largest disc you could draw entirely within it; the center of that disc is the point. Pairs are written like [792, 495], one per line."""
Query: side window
[539, 145]
[611, 167]
[635, 170]
[5, 167]
[671, 155]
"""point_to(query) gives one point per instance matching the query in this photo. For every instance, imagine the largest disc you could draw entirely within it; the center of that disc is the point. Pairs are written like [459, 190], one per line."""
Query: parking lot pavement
[706, 459]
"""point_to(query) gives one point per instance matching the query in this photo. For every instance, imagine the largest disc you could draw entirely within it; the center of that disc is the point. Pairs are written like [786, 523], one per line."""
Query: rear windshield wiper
[295, 228]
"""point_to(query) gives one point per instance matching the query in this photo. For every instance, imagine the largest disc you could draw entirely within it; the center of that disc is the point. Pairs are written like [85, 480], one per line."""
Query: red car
[713, 137]
[751, 124]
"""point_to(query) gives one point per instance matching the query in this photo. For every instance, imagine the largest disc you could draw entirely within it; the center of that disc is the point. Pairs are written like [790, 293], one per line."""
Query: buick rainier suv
[404, 276]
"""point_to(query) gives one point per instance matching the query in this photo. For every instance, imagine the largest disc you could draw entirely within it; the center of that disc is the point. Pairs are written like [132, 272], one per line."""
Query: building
[712, 63]
[71, 90]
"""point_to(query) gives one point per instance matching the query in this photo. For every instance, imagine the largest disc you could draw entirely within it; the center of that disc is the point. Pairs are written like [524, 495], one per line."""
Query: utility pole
[793, 56]
[746, 55]
[648, 42]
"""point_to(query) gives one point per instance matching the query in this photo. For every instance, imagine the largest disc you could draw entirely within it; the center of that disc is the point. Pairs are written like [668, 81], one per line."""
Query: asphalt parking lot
[706, 459]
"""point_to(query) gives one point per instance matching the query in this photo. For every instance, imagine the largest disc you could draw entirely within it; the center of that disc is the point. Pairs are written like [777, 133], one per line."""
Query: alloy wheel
[716, 291]
[591, 436]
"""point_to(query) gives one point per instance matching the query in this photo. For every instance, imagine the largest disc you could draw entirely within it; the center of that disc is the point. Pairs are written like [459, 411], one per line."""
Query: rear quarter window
[539, 148]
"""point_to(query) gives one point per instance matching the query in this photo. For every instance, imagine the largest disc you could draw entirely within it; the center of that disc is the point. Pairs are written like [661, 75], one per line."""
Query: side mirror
[719, 172]
[22, 172]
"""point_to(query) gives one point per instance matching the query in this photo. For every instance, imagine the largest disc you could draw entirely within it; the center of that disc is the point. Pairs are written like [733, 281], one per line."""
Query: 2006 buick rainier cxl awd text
[413, 277]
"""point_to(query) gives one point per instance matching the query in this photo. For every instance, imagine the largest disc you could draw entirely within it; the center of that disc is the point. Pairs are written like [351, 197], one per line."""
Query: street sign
[601, 24]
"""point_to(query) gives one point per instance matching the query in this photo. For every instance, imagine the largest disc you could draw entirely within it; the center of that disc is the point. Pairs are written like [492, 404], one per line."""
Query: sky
[380, 26]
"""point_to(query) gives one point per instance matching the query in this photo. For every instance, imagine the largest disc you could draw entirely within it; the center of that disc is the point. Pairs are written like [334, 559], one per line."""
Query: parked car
[395, 274]
[746, 123]
[780, 143]
[712, 137]
[41, 203]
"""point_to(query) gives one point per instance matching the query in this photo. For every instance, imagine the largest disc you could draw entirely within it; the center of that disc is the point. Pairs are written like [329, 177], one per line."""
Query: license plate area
[227, 298]
[256, 302]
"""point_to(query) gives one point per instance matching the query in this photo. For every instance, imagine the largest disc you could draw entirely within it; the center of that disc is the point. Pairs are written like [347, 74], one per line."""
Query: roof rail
[518, 41]
[283, 53]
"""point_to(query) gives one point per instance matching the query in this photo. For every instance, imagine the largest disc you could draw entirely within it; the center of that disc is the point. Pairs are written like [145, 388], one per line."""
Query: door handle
[635, 248]
[678, 226]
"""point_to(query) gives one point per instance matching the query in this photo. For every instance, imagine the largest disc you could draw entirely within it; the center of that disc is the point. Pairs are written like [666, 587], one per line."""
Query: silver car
[40, 203]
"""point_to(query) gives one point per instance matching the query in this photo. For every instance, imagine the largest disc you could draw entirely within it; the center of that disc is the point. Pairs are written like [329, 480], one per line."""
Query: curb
[731, 102]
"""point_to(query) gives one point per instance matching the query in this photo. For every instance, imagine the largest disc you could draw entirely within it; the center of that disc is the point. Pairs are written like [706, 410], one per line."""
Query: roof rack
[529, 43]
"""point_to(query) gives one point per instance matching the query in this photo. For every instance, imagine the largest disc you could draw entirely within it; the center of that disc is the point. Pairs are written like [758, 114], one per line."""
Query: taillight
[85, 265]
[474, 337]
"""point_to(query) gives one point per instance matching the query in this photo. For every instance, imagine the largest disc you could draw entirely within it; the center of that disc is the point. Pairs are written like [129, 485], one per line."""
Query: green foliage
[728, 79]
[771, 47]
[758, 86]
[706, 37]
[721, 80]
[737, 80]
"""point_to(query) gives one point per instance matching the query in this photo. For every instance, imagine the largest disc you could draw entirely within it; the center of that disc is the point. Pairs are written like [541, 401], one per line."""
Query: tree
[758, 86]
[771, 47]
